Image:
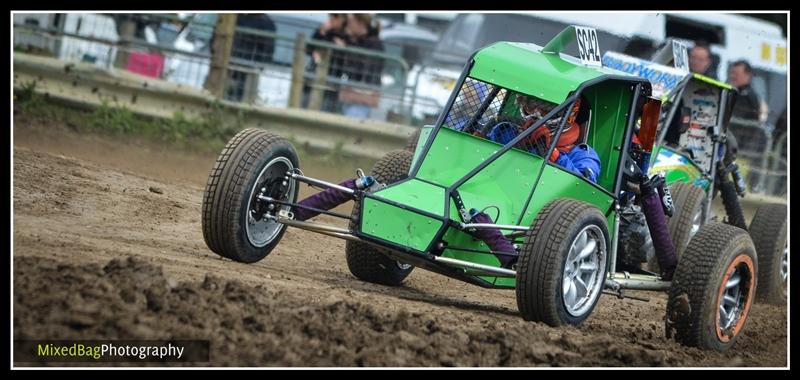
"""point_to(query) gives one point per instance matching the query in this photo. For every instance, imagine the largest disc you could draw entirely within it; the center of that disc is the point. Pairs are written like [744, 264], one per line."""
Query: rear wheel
[713, 288]
[411, 144]
[254, 162]
[365, 261]
[768, 231]
[562, 265]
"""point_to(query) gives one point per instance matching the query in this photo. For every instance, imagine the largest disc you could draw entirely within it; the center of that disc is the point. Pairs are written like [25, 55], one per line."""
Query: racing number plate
[588, 46]
[680, 55]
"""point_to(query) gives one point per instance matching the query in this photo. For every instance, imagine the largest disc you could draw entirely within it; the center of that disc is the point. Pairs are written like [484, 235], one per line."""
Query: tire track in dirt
[98, 255]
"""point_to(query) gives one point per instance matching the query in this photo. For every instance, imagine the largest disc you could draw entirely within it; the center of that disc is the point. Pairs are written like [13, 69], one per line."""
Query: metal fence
[264, 68]
[762, 159]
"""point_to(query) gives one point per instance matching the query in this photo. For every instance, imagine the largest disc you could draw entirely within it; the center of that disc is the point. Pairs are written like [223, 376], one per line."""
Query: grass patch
[209, 132]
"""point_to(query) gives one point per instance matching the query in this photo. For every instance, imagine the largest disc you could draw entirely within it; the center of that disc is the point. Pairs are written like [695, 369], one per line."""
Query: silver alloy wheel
[262, 232]
[697, 221]
[583, 271]
[730, 307]
[785, 265]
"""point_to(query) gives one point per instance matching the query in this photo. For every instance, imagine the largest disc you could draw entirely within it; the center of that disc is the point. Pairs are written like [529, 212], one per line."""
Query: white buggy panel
[704, 101]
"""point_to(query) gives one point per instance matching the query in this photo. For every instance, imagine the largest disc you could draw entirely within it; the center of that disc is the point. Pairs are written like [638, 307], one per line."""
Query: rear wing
[664, 79]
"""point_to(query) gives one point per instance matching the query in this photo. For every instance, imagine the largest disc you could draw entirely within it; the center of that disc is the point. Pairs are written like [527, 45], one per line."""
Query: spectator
[748, 105]
[701, 61]
[331, 31]
[362, 32]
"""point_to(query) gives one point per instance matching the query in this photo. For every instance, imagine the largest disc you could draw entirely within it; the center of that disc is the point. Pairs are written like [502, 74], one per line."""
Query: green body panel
[521, 67]
[505, 183]
[559, 184]
[407, 228]
[424, 133]
[606, 132]
[441, 167]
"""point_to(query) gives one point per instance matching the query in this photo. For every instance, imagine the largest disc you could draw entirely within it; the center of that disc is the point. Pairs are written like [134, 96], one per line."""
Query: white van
[736, 37]
[68, 48]
[636, 34]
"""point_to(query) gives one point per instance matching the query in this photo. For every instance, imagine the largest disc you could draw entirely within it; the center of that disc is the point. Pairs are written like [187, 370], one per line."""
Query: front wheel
[254, 162]
[713, 288]
[562, 265]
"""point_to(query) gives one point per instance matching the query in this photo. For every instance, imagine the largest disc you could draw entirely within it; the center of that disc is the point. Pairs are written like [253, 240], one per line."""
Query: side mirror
[648, 130]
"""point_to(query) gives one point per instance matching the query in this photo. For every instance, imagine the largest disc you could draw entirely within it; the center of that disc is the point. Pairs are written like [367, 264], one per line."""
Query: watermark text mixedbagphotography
[98, 351]
[111, 351]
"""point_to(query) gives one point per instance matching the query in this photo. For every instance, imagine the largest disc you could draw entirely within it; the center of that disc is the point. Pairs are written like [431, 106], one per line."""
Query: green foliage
[209, 131]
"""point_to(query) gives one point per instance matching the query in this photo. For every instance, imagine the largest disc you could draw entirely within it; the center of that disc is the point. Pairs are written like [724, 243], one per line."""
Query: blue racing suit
[581, 160]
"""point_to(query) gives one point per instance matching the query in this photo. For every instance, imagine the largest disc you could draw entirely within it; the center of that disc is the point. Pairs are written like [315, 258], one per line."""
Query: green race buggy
[566, 229]
[697, 155]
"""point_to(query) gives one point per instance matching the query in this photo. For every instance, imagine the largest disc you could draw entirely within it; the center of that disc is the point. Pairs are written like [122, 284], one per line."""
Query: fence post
[298, 66]
[127, 32]
[223, 42]
[321, 75]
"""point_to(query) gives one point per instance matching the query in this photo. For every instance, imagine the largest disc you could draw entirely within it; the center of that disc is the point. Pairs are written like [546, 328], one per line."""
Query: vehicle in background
[413, 44]
[408, 42]
[274, 76]
[95, 26]
[731, 37]
[434, 22]
[626, 32]
[735, 37]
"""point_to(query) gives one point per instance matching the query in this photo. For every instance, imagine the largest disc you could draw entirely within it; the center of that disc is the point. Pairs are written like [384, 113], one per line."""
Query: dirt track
[98, 254]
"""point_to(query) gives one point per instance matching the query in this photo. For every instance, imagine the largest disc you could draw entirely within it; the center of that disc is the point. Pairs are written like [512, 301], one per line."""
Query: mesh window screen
[486, 111]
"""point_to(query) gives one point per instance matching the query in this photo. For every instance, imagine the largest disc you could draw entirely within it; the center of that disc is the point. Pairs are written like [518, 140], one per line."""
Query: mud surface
[111, 248]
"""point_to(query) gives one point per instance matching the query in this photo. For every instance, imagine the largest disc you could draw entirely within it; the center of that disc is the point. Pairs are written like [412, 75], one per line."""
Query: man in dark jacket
[701, 61]
[362, 31]
[748, 105]
[331, 31]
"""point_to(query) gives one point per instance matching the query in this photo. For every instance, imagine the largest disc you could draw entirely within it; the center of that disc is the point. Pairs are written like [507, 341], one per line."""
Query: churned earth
[107, 244]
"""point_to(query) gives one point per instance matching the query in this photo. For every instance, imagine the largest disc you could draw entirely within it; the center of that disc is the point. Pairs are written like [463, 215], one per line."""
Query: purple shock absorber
[324, 200]
[659, 231]
[494, 239]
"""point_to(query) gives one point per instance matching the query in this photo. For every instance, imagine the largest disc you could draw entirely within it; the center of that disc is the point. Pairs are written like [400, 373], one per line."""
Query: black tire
[733, 209]
[768, 231]
[228, 190]
[543, 258]
[365, 261]
[411, 144]
[688, 200]
[693, 316]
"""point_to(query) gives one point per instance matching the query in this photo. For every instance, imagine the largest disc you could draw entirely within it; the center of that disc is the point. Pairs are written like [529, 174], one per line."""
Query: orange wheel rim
[734, 297]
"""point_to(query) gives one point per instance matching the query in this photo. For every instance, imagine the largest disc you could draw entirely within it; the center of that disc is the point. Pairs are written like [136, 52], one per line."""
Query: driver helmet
[533, 109]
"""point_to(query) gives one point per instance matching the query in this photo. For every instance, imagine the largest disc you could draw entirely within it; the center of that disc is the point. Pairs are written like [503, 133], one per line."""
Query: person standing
[701, 61]
[361, 31]
[748, 108]
[331, 31]
[748, 104]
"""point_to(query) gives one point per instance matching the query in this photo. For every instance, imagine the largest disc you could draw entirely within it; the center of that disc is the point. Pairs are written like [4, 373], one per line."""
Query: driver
[580, 159]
